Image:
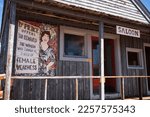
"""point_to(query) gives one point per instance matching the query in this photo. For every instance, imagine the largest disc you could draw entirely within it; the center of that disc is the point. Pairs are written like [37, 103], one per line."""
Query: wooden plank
[73, 82]
[140, 89]
[37, 89]
[110, 7]
[67, 83]
[86, 81]
[79, 71]
[10, 51]
[60, 81]
[18, 89]
[74, 77]
[42, 89]
[26, 90]
[64, 81]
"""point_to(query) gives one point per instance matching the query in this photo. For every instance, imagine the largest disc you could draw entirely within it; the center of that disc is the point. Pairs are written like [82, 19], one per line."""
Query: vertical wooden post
[140, 88]
[122, 89]
[77, 89]
[101, 71]
[10, 50]
[45, 92]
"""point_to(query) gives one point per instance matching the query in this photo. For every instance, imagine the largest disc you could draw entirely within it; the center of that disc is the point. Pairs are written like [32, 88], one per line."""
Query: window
[134, 58]
[74, 45]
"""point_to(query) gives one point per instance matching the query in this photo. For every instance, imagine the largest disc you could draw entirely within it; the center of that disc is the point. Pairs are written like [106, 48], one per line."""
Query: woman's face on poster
[45, 38]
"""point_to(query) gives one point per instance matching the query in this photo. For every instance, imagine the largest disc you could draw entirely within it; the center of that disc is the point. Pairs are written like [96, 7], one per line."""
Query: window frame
[140, 58]
[74, 31]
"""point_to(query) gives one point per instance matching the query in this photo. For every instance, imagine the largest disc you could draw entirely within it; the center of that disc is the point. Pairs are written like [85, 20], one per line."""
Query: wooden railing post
[45, 92]
[77, 97]
[122, 89]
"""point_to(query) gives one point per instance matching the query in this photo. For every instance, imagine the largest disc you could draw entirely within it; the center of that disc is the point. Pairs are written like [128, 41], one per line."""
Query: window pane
[74, 45]
[133, 58]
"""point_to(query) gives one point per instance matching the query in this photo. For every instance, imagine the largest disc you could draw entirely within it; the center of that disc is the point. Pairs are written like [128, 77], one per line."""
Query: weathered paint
[57, 89]
[10, 51]
[131, 85]
[122, 8]
[101, 58]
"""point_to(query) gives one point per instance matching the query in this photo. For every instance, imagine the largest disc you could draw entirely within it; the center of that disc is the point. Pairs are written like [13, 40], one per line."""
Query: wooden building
[46, 38]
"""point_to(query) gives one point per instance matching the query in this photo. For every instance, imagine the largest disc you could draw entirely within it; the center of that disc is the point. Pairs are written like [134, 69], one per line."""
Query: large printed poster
[27, 50]
[36, 49]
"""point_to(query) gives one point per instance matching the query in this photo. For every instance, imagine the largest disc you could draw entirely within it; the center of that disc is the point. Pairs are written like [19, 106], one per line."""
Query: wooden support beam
[101, 58]
[10, 50]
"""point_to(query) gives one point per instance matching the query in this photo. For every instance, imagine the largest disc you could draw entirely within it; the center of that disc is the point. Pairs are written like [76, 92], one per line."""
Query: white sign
[127, 31]
[27, 50]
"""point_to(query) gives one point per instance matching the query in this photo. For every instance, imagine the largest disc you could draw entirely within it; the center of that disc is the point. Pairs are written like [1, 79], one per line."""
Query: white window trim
[74, 31]
[140, 53]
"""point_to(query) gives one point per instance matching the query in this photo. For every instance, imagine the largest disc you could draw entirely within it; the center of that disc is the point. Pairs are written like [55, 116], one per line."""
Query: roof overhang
[67, 11]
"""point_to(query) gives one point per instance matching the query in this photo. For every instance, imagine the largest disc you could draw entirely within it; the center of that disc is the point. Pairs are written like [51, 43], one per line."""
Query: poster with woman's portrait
[36, 51]
[48, 50]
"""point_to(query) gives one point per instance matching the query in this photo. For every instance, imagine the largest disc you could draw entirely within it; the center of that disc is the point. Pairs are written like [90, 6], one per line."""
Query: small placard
[127, 31]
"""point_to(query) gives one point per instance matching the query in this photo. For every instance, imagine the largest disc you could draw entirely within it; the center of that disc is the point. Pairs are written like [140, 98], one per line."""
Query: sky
[145, 2]
[1, 10]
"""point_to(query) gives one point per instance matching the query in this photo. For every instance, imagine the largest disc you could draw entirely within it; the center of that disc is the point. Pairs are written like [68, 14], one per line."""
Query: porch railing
[2, 77]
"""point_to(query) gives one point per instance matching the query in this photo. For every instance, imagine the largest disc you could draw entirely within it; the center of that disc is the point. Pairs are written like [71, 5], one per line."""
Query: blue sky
[145, 2]
[1, 7]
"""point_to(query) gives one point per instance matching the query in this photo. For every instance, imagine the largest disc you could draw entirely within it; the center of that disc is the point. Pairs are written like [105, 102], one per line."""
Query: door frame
[146, 45]
[118, 66]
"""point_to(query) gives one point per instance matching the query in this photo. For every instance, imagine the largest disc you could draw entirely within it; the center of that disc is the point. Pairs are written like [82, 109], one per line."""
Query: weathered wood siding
[63, 89]
[131, 85]
[121, 8]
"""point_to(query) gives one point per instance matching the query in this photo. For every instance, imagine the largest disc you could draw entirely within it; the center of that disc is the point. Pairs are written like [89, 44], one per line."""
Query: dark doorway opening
[109, 59]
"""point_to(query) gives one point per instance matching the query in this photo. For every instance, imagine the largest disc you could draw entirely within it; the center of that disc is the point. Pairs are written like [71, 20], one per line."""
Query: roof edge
[144, 11]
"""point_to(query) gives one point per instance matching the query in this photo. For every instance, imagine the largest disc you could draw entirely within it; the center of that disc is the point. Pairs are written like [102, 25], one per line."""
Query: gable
[122, 8]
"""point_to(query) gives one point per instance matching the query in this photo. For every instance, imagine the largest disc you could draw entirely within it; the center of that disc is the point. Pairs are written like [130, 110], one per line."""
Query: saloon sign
[127, 31]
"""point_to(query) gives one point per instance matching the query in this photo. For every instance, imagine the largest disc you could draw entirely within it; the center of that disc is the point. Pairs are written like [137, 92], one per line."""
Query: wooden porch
[77, 78]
